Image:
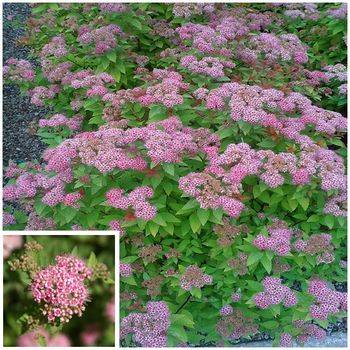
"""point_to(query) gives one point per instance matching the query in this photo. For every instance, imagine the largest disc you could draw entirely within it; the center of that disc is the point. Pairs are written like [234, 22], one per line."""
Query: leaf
[182, 320]
[152, 228]
[178, 332]
[270, 324]
[24, 278]
[129, 280]
[203, 215]
[254, 257]
[194, 222]
[191, 204]
[328, 220]
[41, 340]
[267, 263]
[304, 202]
[74, 251]
[92, 260]
[159, 219]
[169, 168]
[112, 56]
[196, 292]
[157, 113]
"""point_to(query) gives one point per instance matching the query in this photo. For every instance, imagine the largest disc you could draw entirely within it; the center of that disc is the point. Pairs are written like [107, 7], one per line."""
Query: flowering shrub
[55, 295]
[211, 138]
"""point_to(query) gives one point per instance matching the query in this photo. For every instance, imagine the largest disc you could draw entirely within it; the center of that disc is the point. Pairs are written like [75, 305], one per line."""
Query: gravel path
[18, 112]
[336, 340]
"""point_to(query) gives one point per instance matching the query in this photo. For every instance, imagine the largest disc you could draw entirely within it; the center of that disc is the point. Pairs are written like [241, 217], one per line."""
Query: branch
[185, 302]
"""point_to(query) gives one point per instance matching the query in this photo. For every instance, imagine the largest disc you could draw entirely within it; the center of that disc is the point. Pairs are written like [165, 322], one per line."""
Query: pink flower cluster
[210, 66]
[204, 38]
[286, 340]
[57, 120]
[327, 301]
[304, 11]
[116, 226]
[8, 219]
[56, 47]
[187, 10]
[211, 193]
[87, 79]
[150, 328]
[274, 293]
[90, 334]
[103, 38]
[32, 339]
[308, 330]
[113, 7]
[234, 324]
[110, 310]
[239, 22]
[56, 73]
[10, 243]
[194, 277]
[319, 245]
[60, 288]
[18, 70]
[339, 12]
[167, 91]
[125, 270]
[285, 47]
[269, 108]
[136, 199]
[219, 185]
[278, 241]
[40, 93]
[38, 223]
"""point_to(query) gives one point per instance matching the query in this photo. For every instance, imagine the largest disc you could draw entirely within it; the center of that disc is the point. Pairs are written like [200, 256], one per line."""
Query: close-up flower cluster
[58, 291]
[211, 139]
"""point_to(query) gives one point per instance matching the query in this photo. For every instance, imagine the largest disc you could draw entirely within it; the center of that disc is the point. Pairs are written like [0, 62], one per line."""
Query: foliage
[22, 314]
[221, 149]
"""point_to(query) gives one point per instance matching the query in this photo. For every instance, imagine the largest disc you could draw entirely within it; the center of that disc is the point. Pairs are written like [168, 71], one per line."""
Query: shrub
[212, 140]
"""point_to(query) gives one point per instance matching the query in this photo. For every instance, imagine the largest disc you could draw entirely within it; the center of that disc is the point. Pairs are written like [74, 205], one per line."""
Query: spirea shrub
[211, 139]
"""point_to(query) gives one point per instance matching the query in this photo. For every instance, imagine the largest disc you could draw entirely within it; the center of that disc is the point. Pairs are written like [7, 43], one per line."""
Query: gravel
[18, 112]
[336, 340]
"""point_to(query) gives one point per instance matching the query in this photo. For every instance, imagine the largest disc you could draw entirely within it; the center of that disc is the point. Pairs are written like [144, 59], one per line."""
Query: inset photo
[58, 290]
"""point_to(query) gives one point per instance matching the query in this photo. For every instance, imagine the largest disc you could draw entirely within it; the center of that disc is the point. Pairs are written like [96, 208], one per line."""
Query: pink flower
[60, 288]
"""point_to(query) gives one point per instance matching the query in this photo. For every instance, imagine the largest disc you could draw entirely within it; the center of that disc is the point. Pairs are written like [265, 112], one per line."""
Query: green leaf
[157, 113]
[191, 204]
[328, 220]
[270, 324]
[194, 222]
[129, 280]
[304, 202]
[92, 260]
[203, 215]
[152, 228]
[254, 257]
[267, 263]
[196, 292]
[169, 168]
[74, 251]
[182, 320]
[112, 56]
[178, 332]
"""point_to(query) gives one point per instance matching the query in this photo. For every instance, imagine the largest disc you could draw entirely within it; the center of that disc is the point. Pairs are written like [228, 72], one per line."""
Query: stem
[184, 303]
